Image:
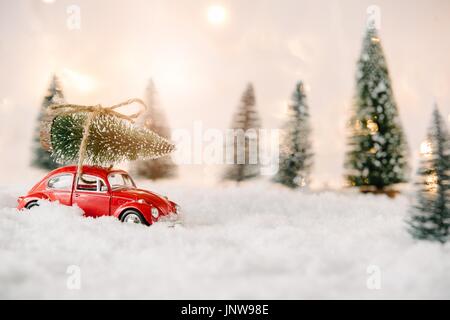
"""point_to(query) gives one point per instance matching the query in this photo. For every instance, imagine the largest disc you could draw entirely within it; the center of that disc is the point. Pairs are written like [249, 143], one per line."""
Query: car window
[120, 180]
[90, 183]
[61, 182]
[128, 180]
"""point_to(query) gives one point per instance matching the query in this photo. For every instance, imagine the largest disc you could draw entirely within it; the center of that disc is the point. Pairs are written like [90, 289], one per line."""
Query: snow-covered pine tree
[41, 157]
[243, 148]
[430, 216]
[109, 139]
[295, 150]
[154, 119]
[377, 158]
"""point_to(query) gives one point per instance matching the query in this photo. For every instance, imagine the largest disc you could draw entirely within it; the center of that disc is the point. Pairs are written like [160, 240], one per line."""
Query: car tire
[134, 217]
[32, 204]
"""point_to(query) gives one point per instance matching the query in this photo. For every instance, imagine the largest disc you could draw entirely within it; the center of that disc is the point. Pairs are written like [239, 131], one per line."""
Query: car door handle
[76, 195]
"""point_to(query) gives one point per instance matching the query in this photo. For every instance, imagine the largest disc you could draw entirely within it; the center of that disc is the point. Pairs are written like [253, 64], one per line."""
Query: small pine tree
[154, 120]
[244, 143]
[41, 157]
[430, 217]
[111, 140]
[296, 154]
[377, 158]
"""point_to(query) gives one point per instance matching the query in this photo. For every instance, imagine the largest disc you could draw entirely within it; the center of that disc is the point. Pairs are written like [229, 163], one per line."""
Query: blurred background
[201, 54]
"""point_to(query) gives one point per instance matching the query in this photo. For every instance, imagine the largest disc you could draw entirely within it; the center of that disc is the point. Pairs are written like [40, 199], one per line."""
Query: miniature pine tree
[296, 154]
[41, 157]
[242, 144]
[110, 140]
[154, 120]
[377, 158]
[430, 217]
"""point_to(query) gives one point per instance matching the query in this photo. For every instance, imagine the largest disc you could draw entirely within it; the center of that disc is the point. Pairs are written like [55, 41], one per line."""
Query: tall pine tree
[242, 146]
[155, 120]
[41, 157]
[430, 217]
[377, 158]
[296, 154]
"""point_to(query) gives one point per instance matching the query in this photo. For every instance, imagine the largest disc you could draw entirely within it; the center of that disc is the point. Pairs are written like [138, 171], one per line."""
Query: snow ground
[255, 241]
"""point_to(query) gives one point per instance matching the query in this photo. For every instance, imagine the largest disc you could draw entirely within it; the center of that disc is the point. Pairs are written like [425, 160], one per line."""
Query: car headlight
[177, 208]
[155, 212]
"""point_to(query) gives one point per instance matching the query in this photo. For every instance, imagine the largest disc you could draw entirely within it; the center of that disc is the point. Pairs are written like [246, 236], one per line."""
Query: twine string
[94, 111]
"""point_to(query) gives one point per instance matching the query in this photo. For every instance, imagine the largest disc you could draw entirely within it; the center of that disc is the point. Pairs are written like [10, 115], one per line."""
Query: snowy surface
[255, 241]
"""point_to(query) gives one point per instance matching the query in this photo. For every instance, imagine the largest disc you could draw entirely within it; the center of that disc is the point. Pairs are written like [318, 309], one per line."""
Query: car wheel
[32, 205]
[133, 217]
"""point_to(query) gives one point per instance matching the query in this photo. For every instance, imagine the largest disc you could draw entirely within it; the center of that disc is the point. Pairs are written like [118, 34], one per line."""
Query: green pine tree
[111, 140]
[295, 152]
[42, 158]
[377, 158]
[243, 147]
[154, 120]
[430, 217]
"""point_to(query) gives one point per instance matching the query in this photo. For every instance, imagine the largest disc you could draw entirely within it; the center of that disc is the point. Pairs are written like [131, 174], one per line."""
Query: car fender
[23, 201]
[174, 206]
[142, 208]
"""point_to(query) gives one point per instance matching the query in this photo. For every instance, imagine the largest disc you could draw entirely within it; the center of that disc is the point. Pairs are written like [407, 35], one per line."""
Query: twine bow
[93, 111]
[63, 109]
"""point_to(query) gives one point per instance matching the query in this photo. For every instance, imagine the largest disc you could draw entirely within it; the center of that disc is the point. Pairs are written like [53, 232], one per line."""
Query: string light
[372, 126]
[431, 182]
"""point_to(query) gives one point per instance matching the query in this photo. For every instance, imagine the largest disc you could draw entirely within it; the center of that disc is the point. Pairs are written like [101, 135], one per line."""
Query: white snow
[253, 241]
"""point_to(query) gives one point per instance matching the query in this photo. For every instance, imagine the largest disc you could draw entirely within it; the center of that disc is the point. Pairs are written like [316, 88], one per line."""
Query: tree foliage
[296, 151]
[378, 151]
[242, 145]
[111, 140]
[155, 120]
[41, 157]
[430, 216]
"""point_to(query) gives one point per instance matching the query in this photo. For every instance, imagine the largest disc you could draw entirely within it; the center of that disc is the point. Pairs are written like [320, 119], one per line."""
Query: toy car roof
[88, 170]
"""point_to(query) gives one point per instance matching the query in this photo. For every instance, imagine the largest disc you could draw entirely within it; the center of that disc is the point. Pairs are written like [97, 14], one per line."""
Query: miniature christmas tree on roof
[99, 136]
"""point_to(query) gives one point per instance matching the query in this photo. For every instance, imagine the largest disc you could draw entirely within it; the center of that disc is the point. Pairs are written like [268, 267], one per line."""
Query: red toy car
[100, 192]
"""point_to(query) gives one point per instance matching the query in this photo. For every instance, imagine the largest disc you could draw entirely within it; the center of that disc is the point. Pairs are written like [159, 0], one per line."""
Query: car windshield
[119, 180]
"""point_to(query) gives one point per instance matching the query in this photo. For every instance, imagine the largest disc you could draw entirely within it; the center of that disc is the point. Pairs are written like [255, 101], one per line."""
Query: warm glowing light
[426, 148]
[216, 14]
[431, 182]
[375, 39]
[82, 82]
[372, 126]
